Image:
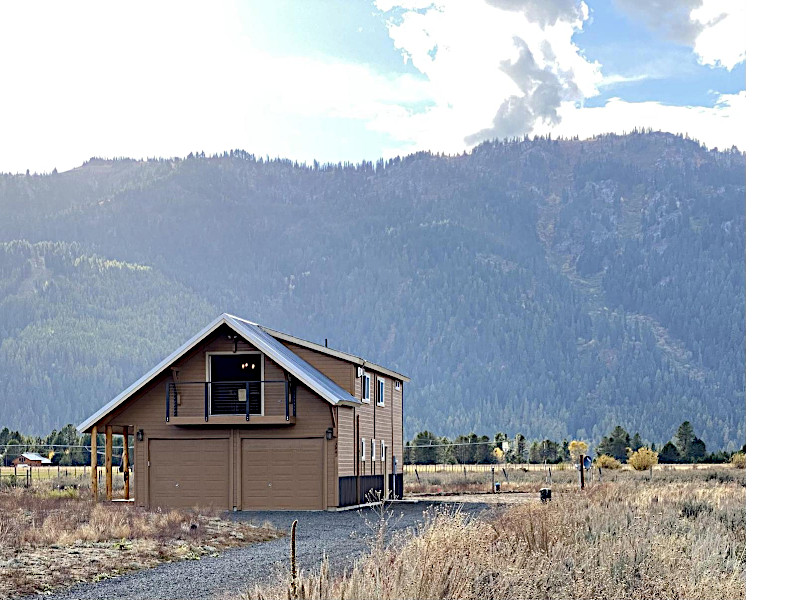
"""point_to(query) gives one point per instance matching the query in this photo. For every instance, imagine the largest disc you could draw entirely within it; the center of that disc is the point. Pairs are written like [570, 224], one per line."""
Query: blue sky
[360, 79]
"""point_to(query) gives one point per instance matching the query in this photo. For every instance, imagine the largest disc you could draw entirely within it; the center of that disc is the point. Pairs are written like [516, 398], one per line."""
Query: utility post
[581, 468]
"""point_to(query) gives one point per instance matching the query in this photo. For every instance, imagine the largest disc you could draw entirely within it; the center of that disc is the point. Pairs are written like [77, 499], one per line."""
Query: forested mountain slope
[555, 288]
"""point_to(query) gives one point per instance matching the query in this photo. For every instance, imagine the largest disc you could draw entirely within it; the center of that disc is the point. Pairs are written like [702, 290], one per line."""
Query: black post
[247, 401]
[493, 480]
[205, 393]
[581, 459]
[167, 398]
[286, 392]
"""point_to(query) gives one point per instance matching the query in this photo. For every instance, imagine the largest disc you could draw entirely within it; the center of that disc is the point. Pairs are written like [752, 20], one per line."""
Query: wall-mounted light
[140, 435]
[329, 433]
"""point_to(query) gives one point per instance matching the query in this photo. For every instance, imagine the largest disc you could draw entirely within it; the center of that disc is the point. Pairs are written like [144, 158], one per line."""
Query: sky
[357, 80]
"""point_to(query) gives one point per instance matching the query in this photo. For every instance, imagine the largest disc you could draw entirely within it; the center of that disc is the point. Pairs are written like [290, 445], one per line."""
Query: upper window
[381, 385]
[396, 384]
[366, 387]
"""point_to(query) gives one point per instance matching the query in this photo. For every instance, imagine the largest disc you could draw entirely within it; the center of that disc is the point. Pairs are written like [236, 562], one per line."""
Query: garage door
[283, 474]
[187, 473]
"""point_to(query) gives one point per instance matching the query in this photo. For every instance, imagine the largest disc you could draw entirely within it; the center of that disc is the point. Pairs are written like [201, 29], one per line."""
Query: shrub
[604, 461]
[739, 460]
[643, 459]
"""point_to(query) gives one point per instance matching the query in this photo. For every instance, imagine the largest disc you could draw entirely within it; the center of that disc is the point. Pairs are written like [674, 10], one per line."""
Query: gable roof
[37, 456]
[260, 339]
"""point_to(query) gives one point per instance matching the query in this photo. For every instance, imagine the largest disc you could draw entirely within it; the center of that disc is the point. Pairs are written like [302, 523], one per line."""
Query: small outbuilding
[242, 417]
[31, 459]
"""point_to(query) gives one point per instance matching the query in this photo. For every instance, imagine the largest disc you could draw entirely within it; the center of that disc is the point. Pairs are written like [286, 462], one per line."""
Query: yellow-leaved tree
[576, 448]
[643, 459]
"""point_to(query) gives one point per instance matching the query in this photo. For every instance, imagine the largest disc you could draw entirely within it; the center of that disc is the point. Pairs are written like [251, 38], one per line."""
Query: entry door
[282, 474]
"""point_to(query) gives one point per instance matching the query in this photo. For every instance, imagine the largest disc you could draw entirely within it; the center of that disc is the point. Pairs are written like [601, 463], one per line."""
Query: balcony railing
[197, 402]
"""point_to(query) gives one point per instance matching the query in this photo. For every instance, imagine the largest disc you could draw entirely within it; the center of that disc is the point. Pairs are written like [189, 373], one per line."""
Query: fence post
[493, 480]
[581, 469]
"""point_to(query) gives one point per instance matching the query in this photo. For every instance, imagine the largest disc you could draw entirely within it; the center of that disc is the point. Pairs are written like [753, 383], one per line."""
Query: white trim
[366, 388]
[373, 449]
[233, 323]
[228, 353]
[363, 449]
[383, 451]
[397, 384]
[380, 398]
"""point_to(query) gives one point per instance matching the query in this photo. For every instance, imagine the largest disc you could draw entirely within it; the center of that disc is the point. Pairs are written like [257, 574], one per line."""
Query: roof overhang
[295, 365]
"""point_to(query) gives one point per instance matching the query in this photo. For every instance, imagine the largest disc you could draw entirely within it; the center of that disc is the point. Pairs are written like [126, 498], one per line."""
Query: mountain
[551, 287]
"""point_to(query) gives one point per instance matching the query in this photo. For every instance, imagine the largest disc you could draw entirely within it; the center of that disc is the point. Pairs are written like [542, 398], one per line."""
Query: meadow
[53, 535]
[678, 533]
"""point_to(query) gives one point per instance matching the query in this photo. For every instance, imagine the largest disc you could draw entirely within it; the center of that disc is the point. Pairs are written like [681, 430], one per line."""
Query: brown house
[242, 417]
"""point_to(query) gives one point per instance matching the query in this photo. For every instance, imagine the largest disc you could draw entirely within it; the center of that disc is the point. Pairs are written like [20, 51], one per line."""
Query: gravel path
[342, 536]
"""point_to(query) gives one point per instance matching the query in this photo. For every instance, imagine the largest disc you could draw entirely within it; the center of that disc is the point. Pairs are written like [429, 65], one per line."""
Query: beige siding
[346, 440]
[397, 411]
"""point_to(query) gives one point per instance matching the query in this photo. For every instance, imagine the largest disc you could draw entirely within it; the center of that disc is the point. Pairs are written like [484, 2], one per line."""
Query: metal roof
[36, 456]
[258, 337]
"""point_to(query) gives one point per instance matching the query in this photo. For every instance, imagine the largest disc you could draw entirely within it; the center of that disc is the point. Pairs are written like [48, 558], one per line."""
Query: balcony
[231, 402]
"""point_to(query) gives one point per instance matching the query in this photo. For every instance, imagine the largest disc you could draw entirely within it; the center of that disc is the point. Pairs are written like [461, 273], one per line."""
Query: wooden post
[94, 464]
[125, 463]
[581, 460]
[109, 473]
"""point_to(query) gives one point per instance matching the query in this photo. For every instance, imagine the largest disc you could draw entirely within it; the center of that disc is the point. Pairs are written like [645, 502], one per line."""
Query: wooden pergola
[109, 431]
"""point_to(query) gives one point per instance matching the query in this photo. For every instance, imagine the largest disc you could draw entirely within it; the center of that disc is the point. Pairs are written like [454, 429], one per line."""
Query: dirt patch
[50, 542]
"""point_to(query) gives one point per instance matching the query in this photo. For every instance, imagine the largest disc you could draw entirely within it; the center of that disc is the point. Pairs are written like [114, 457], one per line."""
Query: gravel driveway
[342, 536]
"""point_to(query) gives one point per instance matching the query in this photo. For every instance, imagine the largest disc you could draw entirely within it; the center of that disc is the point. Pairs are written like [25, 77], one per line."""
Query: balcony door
[231, 377]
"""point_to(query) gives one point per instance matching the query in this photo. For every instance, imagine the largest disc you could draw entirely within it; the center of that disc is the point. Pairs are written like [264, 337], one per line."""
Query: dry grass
[53, 538]
[677, 536]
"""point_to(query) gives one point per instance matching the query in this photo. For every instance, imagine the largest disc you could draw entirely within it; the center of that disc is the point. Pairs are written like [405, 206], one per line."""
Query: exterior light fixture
[329, 433]
[140, 435]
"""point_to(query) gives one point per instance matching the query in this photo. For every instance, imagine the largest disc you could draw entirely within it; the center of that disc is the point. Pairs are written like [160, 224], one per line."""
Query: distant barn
[31, 459]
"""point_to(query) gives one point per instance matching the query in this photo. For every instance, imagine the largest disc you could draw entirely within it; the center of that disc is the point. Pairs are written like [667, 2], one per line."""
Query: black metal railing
[247, 398]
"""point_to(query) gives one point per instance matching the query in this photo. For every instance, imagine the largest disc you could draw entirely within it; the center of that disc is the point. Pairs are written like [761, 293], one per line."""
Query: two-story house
[242, 417]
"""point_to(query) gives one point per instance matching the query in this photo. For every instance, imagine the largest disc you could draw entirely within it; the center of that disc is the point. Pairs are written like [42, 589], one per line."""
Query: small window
[383, 451]
[396, 384]
[381, 401]
[365, 387]
[363, 449]
[373, 450]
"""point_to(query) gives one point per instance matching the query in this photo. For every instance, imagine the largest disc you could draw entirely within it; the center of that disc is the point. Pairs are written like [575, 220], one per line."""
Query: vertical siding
[397, 410]
[345, 441]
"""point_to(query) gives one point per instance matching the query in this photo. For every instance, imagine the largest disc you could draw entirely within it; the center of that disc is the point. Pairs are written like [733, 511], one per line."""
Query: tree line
[428, 448]
[64, 447]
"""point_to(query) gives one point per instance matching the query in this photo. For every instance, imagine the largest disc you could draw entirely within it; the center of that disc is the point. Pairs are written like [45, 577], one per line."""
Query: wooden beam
[109, 472]
[125, 462]
[94, 463]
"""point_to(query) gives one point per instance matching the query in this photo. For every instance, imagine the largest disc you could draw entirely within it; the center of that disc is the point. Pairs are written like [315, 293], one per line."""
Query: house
[242, 417]
[31, 459]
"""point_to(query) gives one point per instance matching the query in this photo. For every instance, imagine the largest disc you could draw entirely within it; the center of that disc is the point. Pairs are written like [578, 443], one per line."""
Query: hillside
[555, 288]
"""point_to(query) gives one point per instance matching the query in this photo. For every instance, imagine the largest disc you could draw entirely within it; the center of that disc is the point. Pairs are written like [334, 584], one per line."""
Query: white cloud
[715, 29]
[721, 126]
[722, 39]
[166, 79]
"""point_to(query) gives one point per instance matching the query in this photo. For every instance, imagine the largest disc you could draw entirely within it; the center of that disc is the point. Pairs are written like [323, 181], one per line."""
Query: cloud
[721, 126]
[713, 28]
[543, 12]
[496, 68]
